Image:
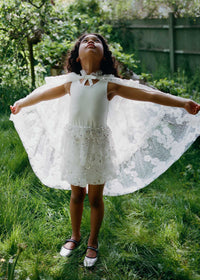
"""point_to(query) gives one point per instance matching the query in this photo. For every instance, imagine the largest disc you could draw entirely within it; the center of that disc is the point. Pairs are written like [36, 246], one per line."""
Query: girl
[82, 149]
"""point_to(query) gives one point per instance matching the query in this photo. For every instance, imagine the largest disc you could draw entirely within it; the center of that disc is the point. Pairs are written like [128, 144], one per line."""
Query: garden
[152, 233]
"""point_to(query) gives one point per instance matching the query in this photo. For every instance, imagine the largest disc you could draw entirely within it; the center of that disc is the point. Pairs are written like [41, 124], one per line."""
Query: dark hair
[108, 64]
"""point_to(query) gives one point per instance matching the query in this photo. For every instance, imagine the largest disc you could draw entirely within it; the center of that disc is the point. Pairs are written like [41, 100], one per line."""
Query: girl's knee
[95, 195]
[78, 194]
[96, 202]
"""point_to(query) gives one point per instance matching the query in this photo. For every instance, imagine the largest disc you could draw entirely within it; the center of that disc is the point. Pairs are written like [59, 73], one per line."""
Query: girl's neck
[90, 67]
[91, 70]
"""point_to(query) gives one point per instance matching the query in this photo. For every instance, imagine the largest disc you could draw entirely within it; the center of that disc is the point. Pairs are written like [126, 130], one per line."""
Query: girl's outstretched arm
[39, 95]
[152, 95]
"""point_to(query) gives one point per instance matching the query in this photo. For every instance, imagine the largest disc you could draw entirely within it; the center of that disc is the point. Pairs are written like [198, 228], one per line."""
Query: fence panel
[163, 45]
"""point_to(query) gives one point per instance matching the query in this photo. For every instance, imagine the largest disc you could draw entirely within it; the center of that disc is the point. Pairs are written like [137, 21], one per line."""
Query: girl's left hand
[192, 107]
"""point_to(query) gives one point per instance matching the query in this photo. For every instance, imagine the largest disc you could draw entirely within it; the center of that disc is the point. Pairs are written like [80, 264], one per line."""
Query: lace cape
[148, 138]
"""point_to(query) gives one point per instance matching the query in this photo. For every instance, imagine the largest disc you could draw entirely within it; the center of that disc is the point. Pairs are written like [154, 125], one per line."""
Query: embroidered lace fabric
[144, 139]
[88, 155]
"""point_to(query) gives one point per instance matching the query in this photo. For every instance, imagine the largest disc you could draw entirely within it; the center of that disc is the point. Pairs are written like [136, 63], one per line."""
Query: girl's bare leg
[76, 210]
[95, 195]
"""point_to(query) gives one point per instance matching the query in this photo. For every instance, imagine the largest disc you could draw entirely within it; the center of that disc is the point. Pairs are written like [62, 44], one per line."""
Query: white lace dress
[87, 145]
[82, 138]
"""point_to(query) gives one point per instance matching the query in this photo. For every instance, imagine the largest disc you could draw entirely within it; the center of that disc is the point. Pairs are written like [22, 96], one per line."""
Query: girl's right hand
[16, 108]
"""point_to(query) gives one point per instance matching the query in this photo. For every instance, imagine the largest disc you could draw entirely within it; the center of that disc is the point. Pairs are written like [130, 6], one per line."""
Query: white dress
[87, 146]
[82, 138]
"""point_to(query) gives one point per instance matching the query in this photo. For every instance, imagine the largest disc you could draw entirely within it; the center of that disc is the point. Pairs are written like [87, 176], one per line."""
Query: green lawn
[153, 233]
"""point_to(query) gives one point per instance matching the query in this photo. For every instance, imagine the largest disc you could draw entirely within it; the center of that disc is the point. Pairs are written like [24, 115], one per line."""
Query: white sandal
[89, 261]
[64, 252]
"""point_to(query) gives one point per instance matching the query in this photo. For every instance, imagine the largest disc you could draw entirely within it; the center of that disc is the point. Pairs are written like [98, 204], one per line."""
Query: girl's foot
[68, 247]
[91, 256]
[90, 253]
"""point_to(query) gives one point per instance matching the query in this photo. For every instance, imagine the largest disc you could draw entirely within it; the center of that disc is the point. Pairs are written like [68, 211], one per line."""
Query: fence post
[171, 42]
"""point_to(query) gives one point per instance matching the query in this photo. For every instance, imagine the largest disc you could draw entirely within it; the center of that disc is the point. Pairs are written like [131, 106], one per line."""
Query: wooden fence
[163, 44]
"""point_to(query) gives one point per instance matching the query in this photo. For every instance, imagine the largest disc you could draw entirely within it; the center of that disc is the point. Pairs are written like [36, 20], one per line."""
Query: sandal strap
[72, 240]
[92, 248]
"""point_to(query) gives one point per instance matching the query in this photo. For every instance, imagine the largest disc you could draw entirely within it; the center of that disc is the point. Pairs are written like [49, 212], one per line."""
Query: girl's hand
[192, 107]
[16, 108]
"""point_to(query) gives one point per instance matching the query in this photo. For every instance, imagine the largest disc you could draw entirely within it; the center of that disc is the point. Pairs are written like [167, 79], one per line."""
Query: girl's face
[91, 45]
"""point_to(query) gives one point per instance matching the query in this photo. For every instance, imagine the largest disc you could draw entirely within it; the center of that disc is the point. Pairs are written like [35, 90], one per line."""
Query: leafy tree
[21, 27]
[131, 9]
[180, 8]
[36, 35]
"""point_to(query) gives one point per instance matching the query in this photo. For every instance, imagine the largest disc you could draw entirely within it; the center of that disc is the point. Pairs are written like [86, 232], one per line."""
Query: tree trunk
[31, 58]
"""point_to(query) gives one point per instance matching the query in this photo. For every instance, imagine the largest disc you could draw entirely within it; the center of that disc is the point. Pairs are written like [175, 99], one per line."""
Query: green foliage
[191, 82]
[50, 53]
[12, 263]
[179, 84]
[150, 234]
[81, 17]
[127, 61]
[53, 30]
[9, 94]
[21, 26]
[88, 7]
[129, 10]
[49, 28]
[170, 86]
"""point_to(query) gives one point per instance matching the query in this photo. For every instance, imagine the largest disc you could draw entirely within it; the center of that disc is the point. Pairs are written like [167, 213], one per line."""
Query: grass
[153, 233]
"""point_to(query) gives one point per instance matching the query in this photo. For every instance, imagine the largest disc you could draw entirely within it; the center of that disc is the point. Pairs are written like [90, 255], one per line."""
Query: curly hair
[108, 64]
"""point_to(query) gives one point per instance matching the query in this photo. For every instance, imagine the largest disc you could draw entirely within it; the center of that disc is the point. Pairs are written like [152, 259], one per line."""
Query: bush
[127, 62]
[179, 84]
[8, 95]
[170, 86]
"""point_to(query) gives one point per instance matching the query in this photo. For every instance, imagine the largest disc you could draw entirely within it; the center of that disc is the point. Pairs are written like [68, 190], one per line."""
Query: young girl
[71, 145]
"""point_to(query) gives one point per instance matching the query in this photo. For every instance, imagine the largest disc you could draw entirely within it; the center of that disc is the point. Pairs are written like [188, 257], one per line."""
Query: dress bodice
[88, 104]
